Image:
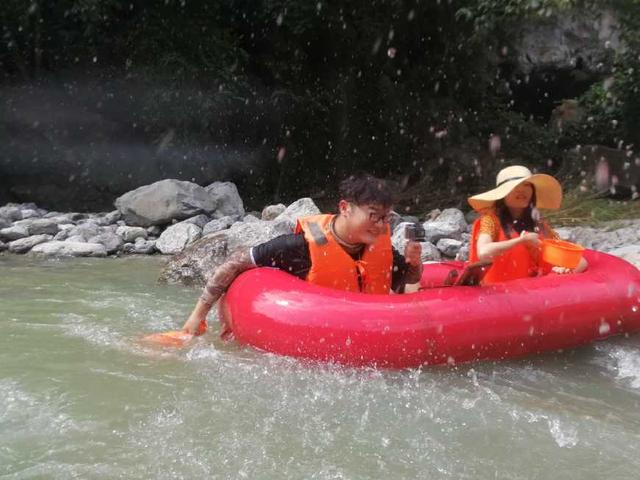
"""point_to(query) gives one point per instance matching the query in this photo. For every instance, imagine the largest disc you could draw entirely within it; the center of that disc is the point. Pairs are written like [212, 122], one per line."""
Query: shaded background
[283, 97]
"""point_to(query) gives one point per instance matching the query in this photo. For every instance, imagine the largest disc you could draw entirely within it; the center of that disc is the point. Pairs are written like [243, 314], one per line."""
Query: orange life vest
[332, 266]
[518, 262]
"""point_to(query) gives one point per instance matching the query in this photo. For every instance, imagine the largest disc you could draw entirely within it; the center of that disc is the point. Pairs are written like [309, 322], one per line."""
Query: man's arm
[288, 252]
[218, 283]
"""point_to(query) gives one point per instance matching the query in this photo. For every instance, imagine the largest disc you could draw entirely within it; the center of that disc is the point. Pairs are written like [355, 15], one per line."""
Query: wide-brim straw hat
[548, 189]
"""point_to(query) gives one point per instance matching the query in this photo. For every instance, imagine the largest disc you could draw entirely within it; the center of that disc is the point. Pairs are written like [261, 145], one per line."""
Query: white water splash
[564, 435]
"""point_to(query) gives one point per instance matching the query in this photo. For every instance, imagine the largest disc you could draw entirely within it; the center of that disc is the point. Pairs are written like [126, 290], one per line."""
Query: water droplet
[391, 52]
[604, 328]
[634, 309]
[348, 341]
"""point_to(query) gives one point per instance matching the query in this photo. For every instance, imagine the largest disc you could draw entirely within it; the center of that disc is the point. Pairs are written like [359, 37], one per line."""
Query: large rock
[219, 224]
[86, 230]
[111, 241]
[449, 224]
[11, 212]
[163, 201]
[199, 261]
[129, 234]
[300, 208]
[13, 233]
[38, 226]
[270, 212]
[3, 246]
[69, 249]
[177, 237]
[23, 245]
[579, 39]
[226, 198]
[449, 247]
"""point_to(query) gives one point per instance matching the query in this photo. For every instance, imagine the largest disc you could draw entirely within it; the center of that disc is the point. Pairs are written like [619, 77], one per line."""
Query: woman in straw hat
[509, 229]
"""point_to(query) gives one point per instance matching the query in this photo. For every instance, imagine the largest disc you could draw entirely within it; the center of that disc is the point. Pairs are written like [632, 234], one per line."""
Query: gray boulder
[302, 207]
[163, 201]
[140, 247]
[463, 254]
[38, 226]
[129, 234]
[69, 249]
[197, 262]
[23, 245]
[111, 241]
[86, 230]
[270, 212]
[4, 223]
[11, 212]
[449, 224]
[13, 233]
[449, 247]
[199, 220]
[217, 225]
[176, 237]
[3, 246]
[226, 198]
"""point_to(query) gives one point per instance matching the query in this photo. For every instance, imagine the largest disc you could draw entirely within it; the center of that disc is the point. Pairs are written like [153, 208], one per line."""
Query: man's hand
[412, 253]
[196, 324]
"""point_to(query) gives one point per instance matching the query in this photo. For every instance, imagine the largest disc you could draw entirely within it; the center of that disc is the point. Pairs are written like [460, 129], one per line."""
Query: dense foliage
[385, 85]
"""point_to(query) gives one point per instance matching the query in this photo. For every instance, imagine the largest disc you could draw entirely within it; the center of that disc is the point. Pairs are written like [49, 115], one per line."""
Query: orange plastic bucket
[561, 254]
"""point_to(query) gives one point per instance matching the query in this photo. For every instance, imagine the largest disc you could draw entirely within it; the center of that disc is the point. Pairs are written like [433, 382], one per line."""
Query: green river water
[80, 397]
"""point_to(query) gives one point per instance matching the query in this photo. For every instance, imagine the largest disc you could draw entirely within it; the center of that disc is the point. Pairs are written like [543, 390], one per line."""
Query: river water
[80, 397]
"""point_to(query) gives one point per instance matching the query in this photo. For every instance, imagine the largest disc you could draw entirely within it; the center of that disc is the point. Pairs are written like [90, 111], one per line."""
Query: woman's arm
[488, 249]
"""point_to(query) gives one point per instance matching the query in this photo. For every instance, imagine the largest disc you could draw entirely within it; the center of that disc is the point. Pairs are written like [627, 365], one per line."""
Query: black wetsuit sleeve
[289, 253]
[400, 267]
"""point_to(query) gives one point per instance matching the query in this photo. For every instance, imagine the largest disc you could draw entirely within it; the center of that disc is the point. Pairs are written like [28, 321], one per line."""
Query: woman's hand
[531, 238]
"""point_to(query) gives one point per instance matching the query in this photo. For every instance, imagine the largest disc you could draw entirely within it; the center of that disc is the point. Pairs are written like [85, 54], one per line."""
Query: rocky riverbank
[198, 227]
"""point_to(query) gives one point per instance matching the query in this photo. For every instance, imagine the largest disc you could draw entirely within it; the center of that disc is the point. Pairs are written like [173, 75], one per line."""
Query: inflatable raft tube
[276, 312]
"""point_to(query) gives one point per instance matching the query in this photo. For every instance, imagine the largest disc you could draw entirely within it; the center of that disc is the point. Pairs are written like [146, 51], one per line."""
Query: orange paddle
[175, 338]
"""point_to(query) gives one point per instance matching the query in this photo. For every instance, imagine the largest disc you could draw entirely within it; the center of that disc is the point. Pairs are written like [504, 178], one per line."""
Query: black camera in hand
[415, 232]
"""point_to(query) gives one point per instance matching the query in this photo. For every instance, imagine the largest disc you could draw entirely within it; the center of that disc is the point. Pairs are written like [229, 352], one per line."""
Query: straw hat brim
[548, 192]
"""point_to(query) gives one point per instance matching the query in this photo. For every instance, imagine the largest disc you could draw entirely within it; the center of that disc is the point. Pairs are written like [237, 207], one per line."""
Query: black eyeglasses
[384, 218]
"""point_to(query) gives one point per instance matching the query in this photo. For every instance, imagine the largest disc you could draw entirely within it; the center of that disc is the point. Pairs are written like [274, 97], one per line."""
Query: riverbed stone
[199, 220]
[199, 260]
[38, 226]
[111, 241]
[163, 201]
[69, 249]
[3, 246]
[270, 212]
[176, 237]
[226, 198]
[13, 233]
[449, 247]
[129, 234]
[23, 245]
[219, 224]
[449, 224]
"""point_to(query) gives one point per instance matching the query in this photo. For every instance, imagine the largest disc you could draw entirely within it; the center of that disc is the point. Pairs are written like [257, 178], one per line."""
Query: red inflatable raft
[274, 311]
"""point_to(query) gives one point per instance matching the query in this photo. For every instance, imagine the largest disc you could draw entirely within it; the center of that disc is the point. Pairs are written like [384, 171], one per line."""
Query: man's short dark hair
[365, 189]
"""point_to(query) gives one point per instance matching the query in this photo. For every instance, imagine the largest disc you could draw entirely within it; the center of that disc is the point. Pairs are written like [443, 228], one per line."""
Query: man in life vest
[350, 251]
